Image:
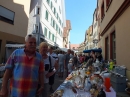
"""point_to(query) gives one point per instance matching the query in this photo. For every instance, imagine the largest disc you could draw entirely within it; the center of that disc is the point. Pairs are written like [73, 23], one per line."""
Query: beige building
[74, 47]
[115, 31]
[81, 47]
[66, 35]
[14, 16]
[90, 37]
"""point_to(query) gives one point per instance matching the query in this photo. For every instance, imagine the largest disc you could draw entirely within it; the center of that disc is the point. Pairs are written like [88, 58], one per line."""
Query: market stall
[86, 82]
[11, 47]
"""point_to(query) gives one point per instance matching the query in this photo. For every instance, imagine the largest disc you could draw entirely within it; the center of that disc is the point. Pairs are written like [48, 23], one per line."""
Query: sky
[80, 14]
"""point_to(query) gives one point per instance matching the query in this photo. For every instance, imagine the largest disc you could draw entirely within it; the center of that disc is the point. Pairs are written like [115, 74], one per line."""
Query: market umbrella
[86, 51]
[97, 50]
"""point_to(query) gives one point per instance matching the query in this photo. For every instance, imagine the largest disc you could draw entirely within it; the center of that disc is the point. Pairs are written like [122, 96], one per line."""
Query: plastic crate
[116, 79]
[118, 87]
[120, 70]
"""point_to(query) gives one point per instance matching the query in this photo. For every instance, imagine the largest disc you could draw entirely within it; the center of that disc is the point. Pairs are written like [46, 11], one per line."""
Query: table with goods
[89, 81]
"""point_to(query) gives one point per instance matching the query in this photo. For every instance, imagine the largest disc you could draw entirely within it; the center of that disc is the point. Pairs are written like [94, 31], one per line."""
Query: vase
[107, 84]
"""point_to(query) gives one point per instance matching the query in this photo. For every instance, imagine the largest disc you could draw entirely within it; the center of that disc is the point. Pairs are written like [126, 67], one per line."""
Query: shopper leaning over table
[66, 61]
[25, 68]
[61, 64]
[50, 66]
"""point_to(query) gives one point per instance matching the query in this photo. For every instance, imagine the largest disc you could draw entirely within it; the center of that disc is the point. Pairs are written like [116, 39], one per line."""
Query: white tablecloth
[69, 93]
[111, 94]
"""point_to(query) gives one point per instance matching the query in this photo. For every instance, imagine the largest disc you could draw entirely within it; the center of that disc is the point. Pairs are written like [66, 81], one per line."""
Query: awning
[63, 49]
[95, 50]
[86, 51]
[15, 45]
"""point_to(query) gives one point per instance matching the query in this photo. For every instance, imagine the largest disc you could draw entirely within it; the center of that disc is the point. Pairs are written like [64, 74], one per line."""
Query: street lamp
[95, 41]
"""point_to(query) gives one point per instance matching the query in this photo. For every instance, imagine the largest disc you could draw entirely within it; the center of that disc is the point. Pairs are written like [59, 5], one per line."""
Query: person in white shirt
[61, 64]
[52, 78]
[49, 64]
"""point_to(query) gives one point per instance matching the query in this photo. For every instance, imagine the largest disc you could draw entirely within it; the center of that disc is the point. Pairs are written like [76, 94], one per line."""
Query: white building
[47, 20]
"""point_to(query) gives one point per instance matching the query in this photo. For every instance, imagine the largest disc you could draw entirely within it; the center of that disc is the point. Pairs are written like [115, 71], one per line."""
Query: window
[48, 1]
[51, 21]
[54, 23]
[106, 48]
[45, 31]
[36, 28]
[49, 35]
[60, 21]
[57, 16]
[61, 33]
[54, 10]
[102, 10]
[113, 46]
[37, 10]
[41, 40]
[51, 5]
[6, 15]
[53, 37]
[56, 27]
[59, 30]
[46, 17]
[59, 10]
[95, 24]
[56, 1]
[108, 2]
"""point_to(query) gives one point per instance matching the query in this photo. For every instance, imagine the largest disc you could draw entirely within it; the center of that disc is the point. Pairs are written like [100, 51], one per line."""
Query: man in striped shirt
[25, 70]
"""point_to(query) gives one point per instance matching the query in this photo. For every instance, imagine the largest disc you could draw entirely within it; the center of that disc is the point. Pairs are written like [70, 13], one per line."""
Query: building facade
[95, 30]
[81, 48]
[47, 20]
[114, 31]
[90, 37]
[14, 16]
[66, 35]
[74, 47]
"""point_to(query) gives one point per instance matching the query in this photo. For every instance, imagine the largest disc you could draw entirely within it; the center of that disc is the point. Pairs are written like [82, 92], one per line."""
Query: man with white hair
[25, 70]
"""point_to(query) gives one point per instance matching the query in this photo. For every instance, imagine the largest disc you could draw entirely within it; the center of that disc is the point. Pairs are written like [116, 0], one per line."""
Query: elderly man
[25, 70]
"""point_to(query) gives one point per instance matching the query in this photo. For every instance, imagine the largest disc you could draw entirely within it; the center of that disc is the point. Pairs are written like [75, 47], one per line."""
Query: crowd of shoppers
[30, 71]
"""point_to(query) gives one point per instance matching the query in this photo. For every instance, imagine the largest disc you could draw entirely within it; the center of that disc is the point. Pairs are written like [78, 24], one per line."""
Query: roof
[68, 24]
[74, 46]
